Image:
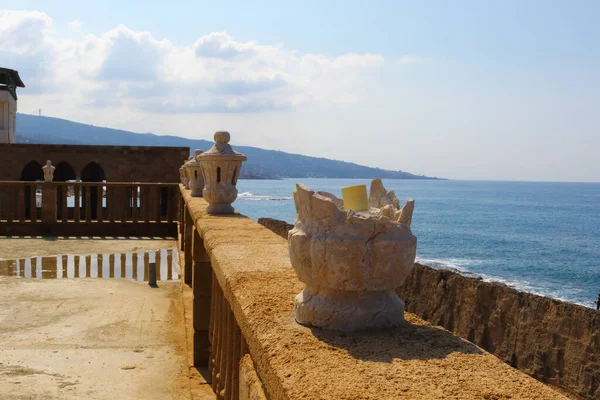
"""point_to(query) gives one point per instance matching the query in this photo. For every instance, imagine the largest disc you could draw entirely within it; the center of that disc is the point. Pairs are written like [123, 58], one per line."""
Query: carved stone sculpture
[221, 167]
[195, 179]
[48, 171]
[183, 176]
[351, 262]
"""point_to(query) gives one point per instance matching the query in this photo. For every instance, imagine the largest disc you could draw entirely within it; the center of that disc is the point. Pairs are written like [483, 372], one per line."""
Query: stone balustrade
[244, 330]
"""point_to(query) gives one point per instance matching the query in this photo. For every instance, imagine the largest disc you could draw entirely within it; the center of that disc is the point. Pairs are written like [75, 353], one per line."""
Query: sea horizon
[518, 233]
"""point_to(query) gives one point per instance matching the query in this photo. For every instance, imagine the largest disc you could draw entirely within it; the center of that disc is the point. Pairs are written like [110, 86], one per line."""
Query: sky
[506, 90]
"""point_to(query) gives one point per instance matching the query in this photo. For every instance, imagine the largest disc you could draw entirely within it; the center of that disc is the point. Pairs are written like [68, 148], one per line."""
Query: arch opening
[32, 172]
[64, 172]
[93, 172]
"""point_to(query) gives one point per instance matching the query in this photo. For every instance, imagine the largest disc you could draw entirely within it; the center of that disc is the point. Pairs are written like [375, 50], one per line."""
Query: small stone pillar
[183, 176]
[49, 202]
[48, 171]
[221, 168]
[194, 174]
[351, 262]
[48, 194]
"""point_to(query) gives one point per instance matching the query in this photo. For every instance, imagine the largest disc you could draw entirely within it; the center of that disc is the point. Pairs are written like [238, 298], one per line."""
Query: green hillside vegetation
[265, 164]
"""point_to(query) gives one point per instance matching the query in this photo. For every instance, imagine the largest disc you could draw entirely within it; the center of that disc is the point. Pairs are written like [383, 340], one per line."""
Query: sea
[538, 237]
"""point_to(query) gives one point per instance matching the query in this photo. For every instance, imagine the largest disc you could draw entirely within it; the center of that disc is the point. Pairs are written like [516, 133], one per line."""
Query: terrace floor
[93, 338]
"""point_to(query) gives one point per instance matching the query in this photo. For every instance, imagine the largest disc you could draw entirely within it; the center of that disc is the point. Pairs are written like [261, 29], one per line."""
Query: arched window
[93, 172]
[64, 172]
[32, 172]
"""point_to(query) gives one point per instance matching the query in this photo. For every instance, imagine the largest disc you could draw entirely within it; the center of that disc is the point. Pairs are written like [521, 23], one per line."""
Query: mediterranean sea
[537, 237]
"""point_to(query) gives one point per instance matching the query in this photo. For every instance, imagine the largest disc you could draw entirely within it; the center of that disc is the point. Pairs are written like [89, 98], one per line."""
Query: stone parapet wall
[279, 227]
[554, 341]
[251, 266]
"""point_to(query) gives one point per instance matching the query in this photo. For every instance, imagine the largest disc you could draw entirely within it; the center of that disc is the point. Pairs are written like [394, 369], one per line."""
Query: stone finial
[222, 137]
[183, 176]
[48, 171]
[351, 262]
[221, 167]
[195, 179]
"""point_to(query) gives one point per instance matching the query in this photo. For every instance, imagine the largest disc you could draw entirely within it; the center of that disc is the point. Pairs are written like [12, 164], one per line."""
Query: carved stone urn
[48, 171]
[183, 176]
[351, 262]
[194, 175]
[221, 167]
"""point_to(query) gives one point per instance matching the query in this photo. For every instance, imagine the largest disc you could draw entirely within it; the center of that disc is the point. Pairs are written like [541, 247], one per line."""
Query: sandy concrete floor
[28, 246]
[92, 339]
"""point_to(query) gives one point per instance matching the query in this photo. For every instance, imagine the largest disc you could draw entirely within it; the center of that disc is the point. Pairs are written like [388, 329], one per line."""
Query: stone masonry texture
[120, 163]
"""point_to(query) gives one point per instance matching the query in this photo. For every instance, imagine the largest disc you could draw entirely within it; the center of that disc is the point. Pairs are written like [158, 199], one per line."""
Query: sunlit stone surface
[195, 179]
[351, 262]
[221, 167]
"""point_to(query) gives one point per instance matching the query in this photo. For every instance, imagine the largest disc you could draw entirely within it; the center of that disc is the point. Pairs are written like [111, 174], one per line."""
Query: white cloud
[221, 45]
[133, 70]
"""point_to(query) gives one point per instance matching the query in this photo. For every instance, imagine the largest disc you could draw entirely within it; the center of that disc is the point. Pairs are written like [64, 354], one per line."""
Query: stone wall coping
[418, 361]
[56, 147]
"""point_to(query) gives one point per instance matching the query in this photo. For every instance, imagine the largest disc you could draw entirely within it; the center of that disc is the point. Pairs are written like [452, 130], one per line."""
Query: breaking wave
[254, 197]
[567, 293]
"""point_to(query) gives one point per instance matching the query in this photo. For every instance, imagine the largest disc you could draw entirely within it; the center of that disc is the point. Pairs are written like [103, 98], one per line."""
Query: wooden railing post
[48, 202]
[181, 218]
[187, 248]
[201, 288]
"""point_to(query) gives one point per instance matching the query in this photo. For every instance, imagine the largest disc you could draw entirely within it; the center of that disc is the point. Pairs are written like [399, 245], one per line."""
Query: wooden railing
[52, 204]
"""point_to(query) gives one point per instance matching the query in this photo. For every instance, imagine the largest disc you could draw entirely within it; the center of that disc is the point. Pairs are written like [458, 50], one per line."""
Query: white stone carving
[195, 179]
[48, 171]
[221, 167]
[351, 262]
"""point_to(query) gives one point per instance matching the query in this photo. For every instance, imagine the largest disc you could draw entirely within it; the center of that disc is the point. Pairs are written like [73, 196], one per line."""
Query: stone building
[9, 81]
[23, 162]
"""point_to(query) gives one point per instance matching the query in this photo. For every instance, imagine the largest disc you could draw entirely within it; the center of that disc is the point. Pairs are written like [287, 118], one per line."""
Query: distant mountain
[261, 163]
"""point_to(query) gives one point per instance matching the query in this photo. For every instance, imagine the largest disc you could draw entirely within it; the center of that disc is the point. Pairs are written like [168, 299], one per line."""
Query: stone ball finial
[222, 137]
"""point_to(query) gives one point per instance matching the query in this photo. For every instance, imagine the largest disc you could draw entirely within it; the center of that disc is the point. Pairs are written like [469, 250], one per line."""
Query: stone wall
[279, 227]
[251, 310]
[554, 341]
[120, 163]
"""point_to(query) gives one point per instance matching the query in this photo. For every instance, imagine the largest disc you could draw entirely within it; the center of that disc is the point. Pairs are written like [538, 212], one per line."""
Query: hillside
[261, 163]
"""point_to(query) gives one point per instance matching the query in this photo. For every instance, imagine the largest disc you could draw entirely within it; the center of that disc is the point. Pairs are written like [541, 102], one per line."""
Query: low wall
[279, 227]
[250, 309]
[553, 341]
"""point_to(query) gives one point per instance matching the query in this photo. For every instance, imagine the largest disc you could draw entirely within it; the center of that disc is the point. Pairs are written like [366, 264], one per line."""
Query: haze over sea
[538, 237]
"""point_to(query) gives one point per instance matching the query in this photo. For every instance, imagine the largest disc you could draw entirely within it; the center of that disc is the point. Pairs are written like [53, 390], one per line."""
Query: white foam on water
[567, 294]
[254, 197]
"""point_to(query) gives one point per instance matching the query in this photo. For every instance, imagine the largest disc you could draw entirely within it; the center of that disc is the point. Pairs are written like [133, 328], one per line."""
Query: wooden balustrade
[86, 203]
[227, 346]
[218, 340]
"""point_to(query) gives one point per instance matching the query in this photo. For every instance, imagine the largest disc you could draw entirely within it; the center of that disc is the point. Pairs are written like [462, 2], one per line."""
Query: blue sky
[467, 90]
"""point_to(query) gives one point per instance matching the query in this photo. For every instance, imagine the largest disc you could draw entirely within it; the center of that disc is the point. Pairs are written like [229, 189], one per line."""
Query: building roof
[13, 74]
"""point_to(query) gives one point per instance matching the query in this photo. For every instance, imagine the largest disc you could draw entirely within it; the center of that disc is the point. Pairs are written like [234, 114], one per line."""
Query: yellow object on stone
[355, 198]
